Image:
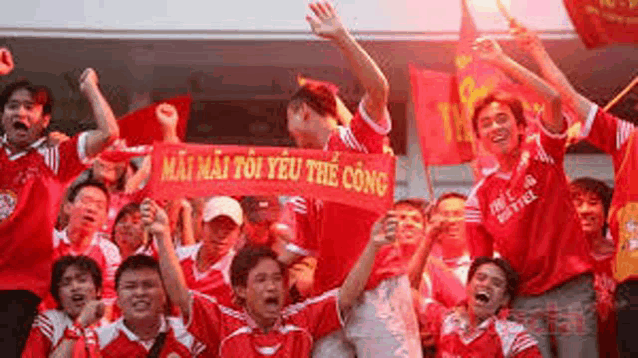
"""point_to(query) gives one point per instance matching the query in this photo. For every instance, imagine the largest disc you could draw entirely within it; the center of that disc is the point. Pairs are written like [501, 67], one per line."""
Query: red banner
[142, 126]
[193, 170]
[604, 22]
[438, 115]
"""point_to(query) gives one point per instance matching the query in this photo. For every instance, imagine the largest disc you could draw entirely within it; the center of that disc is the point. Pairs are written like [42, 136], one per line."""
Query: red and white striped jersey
[47, 330]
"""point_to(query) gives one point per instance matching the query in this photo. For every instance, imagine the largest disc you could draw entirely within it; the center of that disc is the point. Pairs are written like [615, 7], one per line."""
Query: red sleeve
[368, 134]
[319, 314]
[552, 145]
[38, 344]
[205, 320]
[303, 215]
[430, 316]
[479, 241]
[525, 346]
[607, 132]
[72, 158]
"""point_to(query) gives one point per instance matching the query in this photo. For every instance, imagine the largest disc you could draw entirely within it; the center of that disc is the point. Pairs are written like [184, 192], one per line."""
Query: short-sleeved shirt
[32, 185]
[47, 330]
[335, 233]
[494, 337]
[233, 333]
[116, 340]
[215, 281]
[529, 217]
[619, 139]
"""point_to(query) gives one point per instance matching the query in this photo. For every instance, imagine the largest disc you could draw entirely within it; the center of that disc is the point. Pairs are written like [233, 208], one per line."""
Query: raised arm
[491, 52]
[531, 43]
[417, 262]
[327, 24]
[383, 232]
[156, 221]
[107, 129]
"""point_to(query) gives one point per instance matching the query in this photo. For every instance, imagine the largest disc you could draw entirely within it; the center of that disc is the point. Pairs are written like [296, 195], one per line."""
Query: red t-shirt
[619, 139]
[494, 337]
[116, 340]
[215, 281]
[529, 217]
[47, 330]
[335, 233]
[233, 333]
[31, 186]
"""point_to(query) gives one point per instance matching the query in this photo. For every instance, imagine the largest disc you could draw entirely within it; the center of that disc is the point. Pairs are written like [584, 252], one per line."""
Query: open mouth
[77, 298]
[141, 305]
[88, 218]
[482, 297]
[20, 126]
[499, 138]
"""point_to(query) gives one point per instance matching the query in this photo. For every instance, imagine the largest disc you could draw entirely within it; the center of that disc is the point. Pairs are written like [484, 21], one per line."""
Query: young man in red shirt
[523, 208]
[206, 264]
[336, 234]
[619, 139]
[262, 326]
[76, 281]
[34, 174]
[475, 328]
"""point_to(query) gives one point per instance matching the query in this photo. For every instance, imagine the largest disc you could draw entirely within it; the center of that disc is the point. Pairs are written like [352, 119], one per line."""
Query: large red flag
[444, 137]
[142, 126]
[604, 22]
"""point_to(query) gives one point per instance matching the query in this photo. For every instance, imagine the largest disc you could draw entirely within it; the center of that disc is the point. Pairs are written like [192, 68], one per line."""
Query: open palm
[325, 23]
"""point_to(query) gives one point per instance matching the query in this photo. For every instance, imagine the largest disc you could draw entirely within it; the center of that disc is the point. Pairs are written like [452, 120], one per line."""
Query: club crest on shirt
[8, 202]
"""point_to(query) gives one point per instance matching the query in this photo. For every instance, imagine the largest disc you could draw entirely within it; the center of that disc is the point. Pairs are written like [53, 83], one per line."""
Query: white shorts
[381, 324]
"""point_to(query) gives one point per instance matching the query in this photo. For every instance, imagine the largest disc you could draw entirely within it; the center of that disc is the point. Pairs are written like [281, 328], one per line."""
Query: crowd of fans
[530, 264]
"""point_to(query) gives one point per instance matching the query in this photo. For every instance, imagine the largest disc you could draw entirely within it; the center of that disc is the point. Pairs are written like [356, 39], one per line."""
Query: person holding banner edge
[509, 209]
[617, 138]
[335, 233]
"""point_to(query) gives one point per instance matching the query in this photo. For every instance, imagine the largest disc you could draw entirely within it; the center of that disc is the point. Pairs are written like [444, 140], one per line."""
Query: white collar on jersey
[134, 338]
[12, 156]
[221, 265]
[63, 237]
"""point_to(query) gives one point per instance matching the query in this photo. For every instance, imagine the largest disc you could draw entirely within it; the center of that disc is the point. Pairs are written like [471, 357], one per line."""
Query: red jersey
[337, 233]
[528, 215]
[233, 333]
[31, 187]
[47, 330]
[215, 281]
[494, 337]
[116, 340]
[102, 250]
[620, 140]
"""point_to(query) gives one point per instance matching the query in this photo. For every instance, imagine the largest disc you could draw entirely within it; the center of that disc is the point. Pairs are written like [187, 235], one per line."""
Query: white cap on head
[223, 205]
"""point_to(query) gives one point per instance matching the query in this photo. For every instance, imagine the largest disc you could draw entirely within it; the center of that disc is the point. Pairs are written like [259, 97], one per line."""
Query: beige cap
[223, 205]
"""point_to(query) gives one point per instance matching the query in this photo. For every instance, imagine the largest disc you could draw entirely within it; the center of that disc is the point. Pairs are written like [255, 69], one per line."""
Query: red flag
[142, 127]
[437, 114]
[603, 22]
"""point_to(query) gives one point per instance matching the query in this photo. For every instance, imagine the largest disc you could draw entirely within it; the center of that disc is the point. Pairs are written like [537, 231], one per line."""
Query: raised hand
[154, 218]
[526, 39]
[88, 81]
[384, 230]
[6, 61]
[91, 313]
[167, 115]
[488, 49]
[325, 23]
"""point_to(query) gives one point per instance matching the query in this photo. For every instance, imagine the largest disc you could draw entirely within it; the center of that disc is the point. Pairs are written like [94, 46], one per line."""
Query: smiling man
[262, 326]
[475, 328]
[523, 208]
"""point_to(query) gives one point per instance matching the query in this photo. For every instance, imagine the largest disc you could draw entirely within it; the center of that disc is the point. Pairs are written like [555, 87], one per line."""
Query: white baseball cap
[223, 205]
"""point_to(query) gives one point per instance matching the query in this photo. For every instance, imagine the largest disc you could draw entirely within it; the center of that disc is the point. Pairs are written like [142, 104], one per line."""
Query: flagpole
[622, 94]
[428, 179]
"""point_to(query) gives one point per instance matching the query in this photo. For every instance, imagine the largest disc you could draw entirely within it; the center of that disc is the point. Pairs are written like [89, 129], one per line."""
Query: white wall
[258, 15]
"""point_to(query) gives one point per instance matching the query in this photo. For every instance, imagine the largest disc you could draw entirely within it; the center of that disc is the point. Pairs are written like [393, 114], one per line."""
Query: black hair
[41, 94]
[246, 260]
[317, 96]
[515, 105]
[598, 187]
[75, 190]
[417, 203]
[130, 208]
[136, 262]
[511, 277]
[82, 263]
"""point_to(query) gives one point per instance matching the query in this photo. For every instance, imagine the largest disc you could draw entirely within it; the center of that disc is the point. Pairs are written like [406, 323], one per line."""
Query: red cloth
[215, 282]
[601, 23]
[142, 126]
[337, 233]
[510, 211]
[47, 330]
[116, 340]
[619, 139]
[605, 288]
[233, 333]
[31, 187]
